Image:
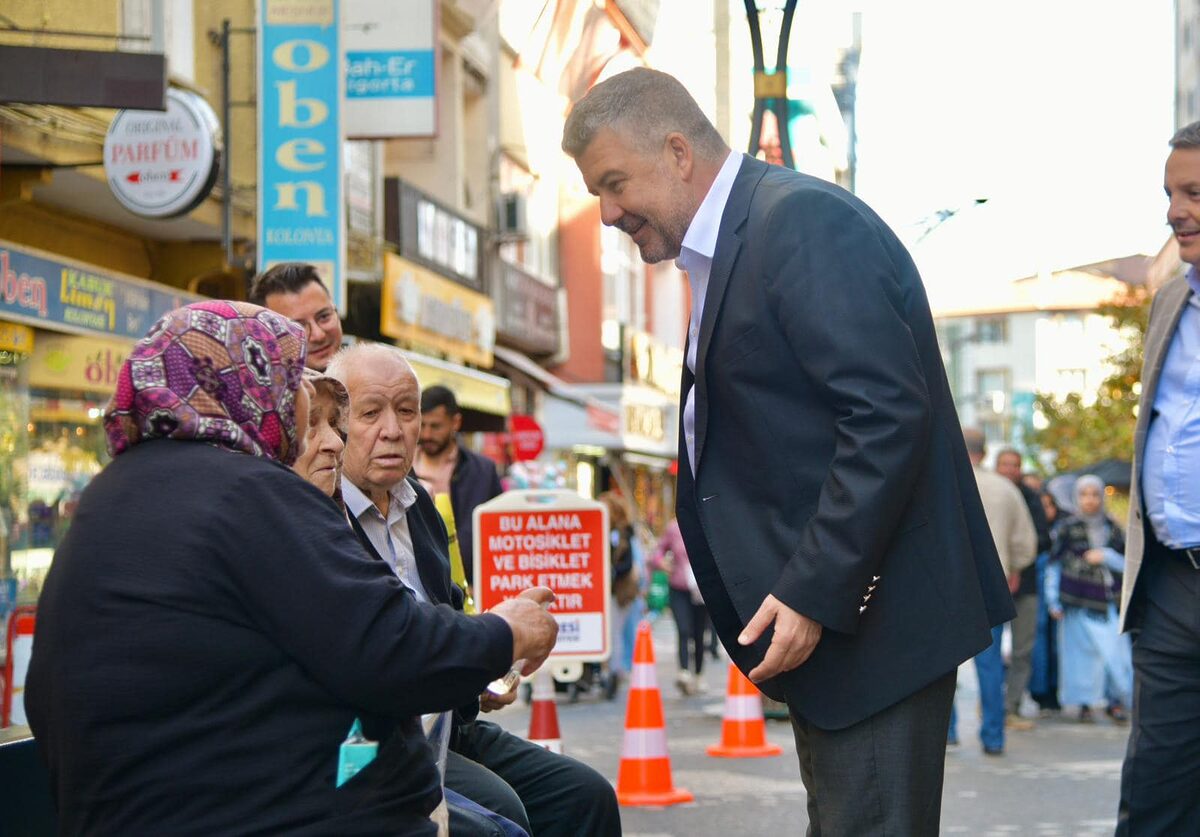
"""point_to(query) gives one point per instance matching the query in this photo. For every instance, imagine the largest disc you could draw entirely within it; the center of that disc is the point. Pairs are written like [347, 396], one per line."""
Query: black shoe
[993, 751]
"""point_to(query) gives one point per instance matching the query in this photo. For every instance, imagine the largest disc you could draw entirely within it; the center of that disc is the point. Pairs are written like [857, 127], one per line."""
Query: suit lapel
[729, 244]
[1158, 340]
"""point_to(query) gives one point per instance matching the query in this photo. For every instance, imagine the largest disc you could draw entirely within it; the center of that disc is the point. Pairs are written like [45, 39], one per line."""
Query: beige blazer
[1165, 312]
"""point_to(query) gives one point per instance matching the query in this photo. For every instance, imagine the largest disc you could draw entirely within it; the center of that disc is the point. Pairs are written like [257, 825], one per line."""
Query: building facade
[1036, 335]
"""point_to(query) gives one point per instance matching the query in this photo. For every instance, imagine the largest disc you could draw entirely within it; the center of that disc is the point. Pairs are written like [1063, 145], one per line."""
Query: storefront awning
[599, 414]
[474, 390]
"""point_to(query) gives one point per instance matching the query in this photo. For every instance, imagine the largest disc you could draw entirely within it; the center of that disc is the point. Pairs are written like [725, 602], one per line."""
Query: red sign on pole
[552, 539]
[527, 437]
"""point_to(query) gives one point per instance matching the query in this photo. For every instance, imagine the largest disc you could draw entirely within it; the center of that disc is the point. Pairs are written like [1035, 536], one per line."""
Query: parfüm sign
[161, 164]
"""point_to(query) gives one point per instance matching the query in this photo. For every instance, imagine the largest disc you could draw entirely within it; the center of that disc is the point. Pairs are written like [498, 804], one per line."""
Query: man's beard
[666, 240]
[668, 229]
[432, 448]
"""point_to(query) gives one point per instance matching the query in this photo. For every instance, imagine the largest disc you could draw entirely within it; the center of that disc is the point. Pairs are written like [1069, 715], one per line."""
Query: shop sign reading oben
[162, 164]
[42, 289]
[301, 213]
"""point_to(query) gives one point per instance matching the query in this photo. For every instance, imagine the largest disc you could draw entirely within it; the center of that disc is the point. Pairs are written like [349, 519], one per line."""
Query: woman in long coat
[1083, 592]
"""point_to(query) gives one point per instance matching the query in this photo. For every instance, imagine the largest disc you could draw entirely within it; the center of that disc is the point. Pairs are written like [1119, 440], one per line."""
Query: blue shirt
[1171, 460]
[390, 536]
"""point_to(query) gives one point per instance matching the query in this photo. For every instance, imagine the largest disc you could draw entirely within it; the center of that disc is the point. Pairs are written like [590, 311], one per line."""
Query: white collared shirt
[696, 258]
[391, 537]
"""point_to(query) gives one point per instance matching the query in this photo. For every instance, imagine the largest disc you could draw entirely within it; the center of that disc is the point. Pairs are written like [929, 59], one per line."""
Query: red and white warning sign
[21, 623]
[552, 539]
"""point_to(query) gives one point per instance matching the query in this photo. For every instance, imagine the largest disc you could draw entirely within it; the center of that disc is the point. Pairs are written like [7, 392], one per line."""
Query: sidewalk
[1059, 779]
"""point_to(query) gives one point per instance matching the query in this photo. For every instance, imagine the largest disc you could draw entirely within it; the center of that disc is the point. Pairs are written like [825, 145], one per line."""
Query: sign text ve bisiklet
[551, 539]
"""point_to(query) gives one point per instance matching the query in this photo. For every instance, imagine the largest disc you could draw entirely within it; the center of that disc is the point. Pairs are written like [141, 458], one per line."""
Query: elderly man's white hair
[357, 354]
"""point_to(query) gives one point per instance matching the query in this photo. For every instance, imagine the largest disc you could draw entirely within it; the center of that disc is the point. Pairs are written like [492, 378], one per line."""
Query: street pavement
[1061, 778]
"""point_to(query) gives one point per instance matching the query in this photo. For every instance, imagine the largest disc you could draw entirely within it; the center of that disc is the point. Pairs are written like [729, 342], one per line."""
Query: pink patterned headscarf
[220, 372]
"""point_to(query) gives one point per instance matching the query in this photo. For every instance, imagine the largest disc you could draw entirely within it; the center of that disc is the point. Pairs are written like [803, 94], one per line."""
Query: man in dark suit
[544, 793]
[825, 495]
[1160, 602]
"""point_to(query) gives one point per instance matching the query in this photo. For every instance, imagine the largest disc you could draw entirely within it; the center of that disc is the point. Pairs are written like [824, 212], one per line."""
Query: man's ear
[680, 151]
[456, 422]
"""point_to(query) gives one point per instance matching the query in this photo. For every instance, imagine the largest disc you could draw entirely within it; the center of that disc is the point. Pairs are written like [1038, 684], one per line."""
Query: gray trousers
[882, 775]
[1024, 632]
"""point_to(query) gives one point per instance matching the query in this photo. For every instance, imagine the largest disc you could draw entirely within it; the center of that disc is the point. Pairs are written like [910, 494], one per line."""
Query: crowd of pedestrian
[1065, 565]
[271, 587]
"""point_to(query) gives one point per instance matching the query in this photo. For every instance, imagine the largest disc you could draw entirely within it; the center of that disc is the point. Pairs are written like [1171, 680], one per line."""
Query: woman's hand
[1094, 557]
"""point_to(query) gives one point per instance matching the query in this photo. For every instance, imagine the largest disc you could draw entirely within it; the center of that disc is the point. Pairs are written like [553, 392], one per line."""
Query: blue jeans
[1043, 679]
[989, 668]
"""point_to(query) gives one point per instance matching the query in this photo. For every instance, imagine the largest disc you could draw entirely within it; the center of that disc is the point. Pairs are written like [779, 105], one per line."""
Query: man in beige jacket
[1016, 542]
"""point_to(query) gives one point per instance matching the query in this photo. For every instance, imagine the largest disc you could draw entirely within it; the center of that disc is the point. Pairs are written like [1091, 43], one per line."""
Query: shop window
[52, 444]
[991, 330]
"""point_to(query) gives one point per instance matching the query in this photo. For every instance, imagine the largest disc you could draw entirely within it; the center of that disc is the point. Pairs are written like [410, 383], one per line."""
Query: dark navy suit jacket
[831, 469]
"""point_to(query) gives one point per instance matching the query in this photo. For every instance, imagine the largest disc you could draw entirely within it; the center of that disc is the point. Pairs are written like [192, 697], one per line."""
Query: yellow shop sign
[64, 361]
[419, 307]
[15, 337]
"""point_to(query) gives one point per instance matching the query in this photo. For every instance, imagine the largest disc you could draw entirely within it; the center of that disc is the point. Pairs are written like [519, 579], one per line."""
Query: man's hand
[534, 630]
[1094, 557]
[1014, 583]
[489, 702]
[796, 636]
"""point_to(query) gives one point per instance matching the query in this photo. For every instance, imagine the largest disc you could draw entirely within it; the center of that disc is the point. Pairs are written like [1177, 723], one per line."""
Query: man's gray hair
[644, 106]
[356, 354]
[1187, 137]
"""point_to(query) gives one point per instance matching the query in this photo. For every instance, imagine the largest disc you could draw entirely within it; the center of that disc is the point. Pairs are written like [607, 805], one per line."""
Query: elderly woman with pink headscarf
[210, 628]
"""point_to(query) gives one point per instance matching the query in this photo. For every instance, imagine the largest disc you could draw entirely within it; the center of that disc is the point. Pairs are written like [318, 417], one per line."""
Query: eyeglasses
[325, 319]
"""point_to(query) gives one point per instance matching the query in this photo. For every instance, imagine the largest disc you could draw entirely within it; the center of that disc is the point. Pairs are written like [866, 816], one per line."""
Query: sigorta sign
[552, 539]
[163, 164]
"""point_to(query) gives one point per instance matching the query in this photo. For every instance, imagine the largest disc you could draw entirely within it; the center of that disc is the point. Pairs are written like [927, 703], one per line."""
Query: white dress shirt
[391, 537]
[696, 258]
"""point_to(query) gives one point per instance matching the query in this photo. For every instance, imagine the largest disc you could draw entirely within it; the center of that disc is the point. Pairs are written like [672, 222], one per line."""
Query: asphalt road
[1062, 778]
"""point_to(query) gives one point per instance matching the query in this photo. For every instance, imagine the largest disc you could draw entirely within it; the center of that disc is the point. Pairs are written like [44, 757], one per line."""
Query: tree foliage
[1081, 433]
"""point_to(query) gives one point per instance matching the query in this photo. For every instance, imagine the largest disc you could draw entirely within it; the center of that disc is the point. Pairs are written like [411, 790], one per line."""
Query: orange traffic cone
[743, 731]
[543, 717]
[644, 777]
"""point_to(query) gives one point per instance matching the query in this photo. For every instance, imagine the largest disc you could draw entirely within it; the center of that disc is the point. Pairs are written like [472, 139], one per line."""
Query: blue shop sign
[43, 290]
[389, 74]
[301, 210]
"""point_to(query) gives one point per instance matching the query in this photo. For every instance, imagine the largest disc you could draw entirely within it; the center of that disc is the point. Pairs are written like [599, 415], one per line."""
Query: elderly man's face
[643, 195]
[385, 420]
[1008, 465]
